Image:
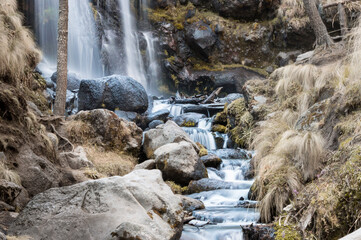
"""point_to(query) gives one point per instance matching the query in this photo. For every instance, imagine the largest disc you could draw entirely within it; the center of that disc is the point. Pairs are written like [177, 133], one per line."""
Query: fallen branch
[213, 95]
[64, 138]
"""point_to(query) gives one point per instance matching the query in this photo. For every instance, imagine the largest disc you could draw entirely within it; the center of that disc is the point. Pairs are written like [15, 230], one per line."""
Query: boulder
[129, 116]
[114, 93]
[124, 93]
[201, 38]
[73, 81]
[191, 204]
[188, 119]
[179, 162]
[137, 206]
[232, 154]
[36, 172]
[149, 165]
[104, 128]
[207, 184]
[158, 115]
[155, 123]
[166, 133]
[211, 160]
[76, 159]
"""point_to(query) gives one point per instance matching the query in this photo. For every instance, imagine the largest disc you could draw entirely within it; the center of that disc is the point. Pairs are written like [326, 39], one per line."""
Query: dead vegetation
[18, 51]
[296, 161]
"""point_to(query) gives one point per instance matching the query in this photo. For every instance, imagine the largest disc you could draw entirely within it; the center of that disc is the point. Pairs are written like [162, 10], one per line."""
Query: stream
[223, 207]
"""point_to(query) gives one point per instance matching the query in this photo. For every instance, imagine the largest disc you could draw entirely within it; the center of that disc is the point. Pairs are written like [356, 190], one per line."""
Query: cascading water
[83, 50]
[153, 66]
[133, 58]
[224, 212]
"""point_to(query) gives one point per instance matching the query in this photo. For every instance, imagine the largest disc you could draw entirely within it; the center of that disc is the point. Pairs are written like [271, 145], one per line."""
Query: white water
[83, 48]
[133, 59]
[223, 209]
[153, 65]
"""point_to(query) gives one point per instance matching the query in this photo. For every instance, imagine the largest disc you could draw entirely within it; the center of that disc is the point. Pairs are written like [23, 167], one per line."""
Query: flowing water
[83, 47]
[223, 207]
[133, 58]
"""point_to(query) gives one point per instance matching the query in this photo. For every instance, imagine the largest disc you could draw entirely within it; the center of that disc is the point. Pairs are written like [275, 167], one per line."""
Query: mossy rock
[240, 123]
[219, 128]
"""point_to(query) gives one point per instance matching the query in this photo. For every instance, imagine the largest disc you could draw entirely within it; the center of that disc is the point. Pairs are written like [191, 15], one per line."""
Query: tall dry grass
[17, 48]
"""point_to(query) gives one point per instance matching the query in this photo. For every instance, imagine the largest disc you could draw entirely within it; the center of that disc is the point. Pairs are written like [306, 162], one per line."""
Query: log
[188, 101]
[213, 95]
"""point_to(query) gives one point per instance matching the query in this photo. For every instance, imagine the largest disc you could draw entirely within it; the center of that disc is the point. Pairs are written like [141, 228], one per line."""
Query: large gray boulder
[179, 162]
[114, 93]
[137, 206]
[163, 134]
[73, 82]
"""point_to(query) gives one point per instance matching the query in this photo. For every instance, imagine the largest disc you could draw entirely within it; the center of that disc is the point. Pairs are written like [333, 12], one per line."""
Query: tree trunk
[319, 28]
[60, 99]
[343, 20]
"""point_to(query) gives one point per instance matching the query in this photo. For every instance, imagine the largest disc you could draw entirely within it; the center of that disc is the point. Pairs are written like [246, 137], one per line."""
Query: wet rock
[114, 93]
[211, 160]
[149, 165]
[124, 93]
[129, 116]
[138, 204]
[75, 160]
[232, 154]
[191, 204]
[90, 94]
[201, 38]
[73, 81]
[188, 119]
[207, 184]
[230, 98]
[169, 132]
[179, 162]
[104, 128]
[155, 123]
[217, 172]
[158, 115]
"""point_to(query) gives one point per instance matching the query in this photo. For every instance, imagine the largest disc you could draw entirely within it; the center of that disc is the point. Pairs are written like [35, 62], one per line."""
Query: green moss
[286, 231]
[219, 128]
[239, 123]
[188, 124]
[176, 189]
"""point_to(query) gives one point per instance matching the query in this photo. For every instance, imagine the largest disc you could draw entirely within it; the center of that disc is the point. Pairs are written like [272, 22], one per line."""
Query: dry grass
[19, 238]
[9, 175]
[292, 11]
[110, 163]
[17, 47]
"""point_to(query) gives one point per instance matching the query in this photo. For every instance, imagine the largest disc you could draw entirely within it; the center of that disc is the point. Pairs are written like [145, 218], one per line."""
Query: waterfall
[133, 58]
[83, 50]
[153, 65]
[45, 26]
